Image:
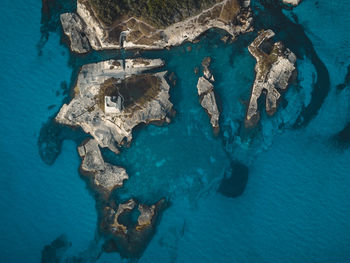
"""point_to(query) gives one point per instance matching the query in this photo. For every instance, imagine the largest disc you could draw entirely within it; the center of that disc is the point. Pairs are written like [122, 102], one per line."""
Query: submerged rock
[130, 237]
[274, 68]
[206, 94]
[53, 252]
[114, 96]
[342, 138]
[235, 180]
[104, 177]
[233, 16]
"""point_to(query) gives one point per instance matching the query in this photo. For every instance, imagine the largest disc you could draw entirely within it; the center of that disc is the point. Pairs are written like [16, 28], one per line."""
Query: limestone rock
[206, 94]
[233, 16]
[73, 26]
[145, 217]
[104, 176]
[122, 232]
[122, 208]
[274, 69]
[145, 98]
[291, 2]
[208, 101]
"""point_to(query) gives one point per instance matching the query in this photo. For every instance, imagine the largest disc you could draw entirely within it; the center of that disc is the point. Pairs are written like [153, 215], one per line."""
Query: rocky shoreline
[112, 97]
[207, 95]
[86, 32]
[125, 236]
[274, 69]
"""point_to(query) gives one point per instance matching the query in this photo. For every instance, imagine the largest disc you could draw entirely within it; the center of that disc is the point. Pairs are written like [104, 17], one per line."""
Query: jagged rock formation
[274, 68]
[114, 96]
[130, 238]
[233, 16]
[206, 94]
[104, 177]
[73, 26]
[291, 2]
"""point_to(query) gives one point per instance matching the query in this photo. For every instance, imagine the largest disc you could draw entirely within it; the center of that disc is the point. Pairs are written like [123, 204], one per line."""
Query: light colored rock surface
[145, 217]
[73, 26]
[109, 129]
[273, 71]
[104, 176]
[206, 94]
[291, 2]
[122, 208]
[238, 20]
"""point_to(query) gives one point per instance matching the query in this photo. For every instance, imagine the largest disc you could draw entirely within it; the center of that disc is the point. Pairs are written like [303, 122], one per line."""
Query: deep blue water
[296, 203]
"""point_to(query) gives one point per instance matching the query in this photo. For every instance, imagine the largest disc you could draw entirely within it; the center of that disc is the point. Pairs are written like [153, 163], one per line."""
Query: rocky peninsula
[103, 176]
[114, 96]
[94, 26]
[274, 69]
[206, 94]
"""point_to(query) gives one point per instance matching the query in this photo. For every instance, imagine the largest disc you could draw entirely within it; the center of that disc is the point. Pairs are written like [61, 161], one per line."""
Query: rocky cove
[274, 191]
[113, 73]
[114, 96]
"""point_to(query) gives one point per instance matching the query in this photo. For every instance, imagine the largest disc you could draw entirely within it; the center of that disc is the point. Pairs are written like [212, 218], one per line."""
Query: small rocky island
[114, 96]
[206, 94]
[130, 238]
[102, 24]
[274, 69]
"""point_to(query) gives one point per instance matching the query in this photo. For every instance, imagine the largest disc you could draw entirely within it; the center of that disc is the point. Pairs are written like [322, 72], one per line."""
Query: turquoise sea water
[296, 203]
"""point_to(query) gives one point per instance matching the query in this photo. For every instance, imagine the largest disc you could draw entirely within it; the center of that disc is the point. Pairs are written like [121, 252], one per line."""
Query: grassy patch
[136, 90]
[159, 13]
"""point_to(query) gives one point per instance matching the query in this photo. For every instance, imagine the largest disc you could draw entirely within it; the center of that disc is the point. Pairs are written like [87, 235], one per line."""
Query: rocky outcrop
[206, 94]
[291, 2]
[130, 238]
[145, 217]
[73, 27]
[233, 16]
[104, 177]
[114, 96]
[274, 68]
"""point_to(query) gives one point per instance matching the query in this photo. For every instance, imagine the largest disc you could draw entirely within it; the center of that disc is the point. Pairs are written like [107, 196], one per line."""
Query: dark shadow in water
[235, 180]
[50, 18]
[268, 14]
[51, 137]
[53, 252]
[346, 82]
[342, 138]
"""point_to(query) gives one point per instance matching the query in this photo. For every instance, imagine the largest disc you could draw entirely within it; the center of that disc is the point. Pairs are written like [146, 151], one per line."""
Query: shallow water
[296, 203]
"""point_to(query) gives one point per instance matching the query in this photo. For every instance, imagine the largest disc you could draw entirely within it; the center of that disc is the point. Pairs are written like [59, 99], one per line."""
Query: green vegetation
[159, 13]
[135, 90]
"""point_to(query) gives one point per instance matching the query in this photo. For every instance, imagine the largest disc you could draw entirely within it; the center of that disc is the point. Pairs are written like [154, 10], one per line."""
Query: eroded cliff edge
[87, 29]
